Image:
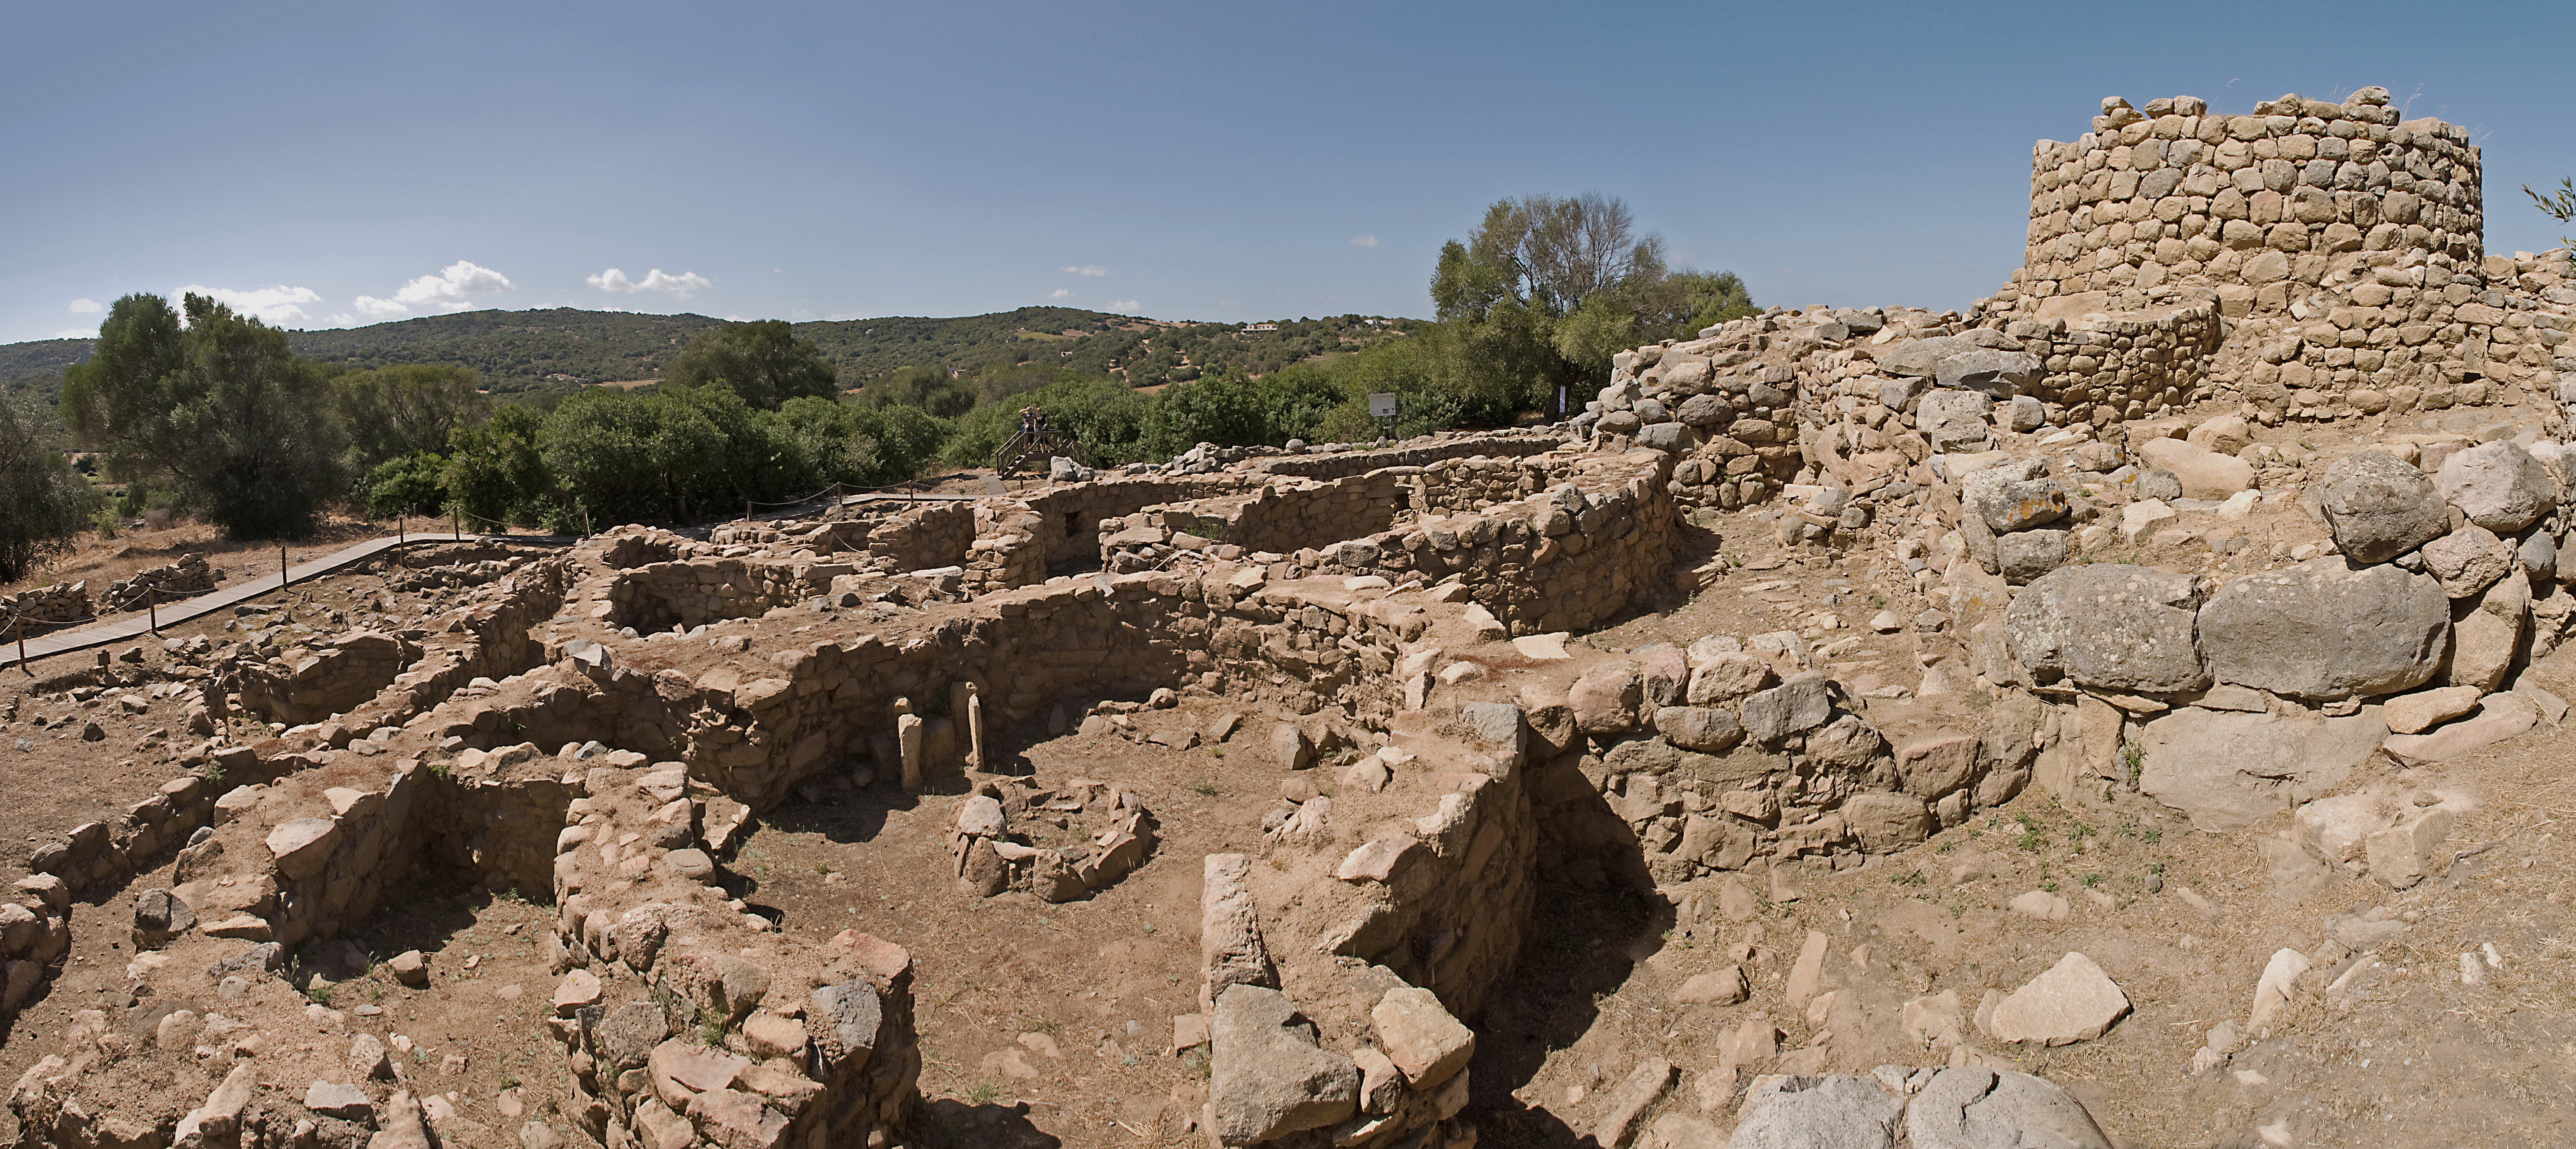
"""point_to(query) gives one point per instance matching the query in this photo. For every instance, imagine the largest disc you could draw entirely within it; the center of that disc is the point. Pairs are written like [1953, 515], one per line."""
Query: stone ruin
[1411, 618]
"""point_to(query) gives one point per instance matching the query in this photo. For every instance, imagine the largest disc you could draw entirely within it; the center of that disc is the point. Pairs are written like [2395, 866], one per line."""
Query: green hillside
[563, 348]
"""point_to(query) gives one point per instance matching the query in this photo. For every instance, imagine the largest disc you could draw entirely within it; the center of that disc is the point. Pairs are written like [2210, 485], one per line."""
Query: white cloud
[84, 306]
[76, 333]
[1368, 242]
[276, 306]
[445, 291]
[1094, 271]
[1060, 293]
[679, 286]
[1122, 305]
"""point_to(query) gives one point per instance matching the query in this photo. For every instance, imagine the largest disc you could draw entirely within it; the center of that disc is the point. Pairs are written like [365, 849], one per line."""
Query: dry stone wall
[188, 576]
[58, 603]
[2253, 203]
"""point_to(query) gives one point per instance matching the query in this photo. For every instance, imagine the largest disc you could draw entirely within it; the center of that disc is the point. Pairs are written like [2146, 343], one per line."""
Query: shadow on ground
[1570, 962]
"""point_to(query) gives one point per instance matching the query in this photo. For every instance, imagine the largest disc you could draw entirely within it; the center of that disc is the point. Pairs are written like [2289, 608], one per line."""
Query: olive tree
[47, 501]
[221, 409]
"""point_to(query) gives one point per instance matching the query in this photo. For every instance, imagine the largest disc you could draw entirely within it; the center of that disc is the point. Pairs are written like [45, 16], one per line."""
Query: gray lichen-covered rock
[1703, 728]
[2325, 629]
[1707, 412]
[1953, 408]
[1967, 1107]
[1921, 358]
[1971, 1107]
[1840, 1111]
[1268, 1076]
[2498, 485]
[2379, 506]
[2015, 496]
[1802, 703]
[2111, 626]
[2024, 556]
[159, 916]
[1993, 372]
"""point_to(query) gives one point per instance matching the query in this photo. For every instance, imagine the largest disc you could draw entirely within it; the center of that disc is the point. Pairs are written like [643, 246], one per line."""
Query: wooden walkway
[184, 610]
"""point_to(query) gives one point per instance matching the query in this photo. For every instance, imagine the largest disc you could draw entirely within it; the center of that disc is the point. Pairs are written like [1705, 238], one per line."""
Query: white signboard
[1381, 406]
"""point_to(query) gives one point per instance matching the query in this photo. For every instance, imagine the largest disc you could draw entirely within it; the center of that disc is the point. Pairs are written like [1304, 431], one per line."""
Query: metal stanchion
[282, 580]
[152, 602]
[22, 646]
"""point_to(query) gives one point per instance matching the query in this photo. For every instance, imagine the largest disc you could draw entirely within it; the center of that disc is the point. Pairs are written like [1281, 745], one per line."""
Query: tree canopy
[762, 361]
[406, 409]
[47, 502]
[221, 410]
[1546, 289]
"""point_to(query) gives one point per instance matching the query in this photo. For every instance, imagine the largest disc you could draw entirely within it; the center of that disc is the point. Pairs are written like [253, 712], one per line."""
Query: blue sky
[335, 164]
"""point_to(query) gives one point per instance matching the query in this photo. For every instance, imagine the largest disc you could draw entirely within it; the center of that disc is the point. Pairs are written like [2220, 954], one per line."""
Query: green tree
[623, 457]
[931, 389]
[496, 472]
[222, 409]
[1104, 414]
[48, 502]
[763, 362]
[1227, 410]
[406, 409]
[414, 484]
[1545, 289]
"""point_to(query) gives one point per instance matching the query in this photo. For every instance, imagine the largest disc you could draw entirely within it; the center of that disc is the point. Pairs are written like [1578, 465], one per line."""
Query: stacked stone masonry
[1993, 460]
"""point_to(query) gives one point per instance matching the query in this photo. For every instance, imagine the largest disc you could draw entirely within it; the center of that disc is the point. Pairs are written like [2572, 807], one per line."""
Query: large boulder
[2469, 560]
[1921, 358]
[1967, 1107]
[1976, 1106]
[2227, 770]
[1706, 412]
[1947, 408]
[1605, 699]
[2005, 373]
[1269, 1077]
[2024, 556]
[1798, 1112]
[2326, 629]
[2498, 485]
[2379, 506]
[2015, 496]
[2111, 626]
[2205, 474]
[1802, 703]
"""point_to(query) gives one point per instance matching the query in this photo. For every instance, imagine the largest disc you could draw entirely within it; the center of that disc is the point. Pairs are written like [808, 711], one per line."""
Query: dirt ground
[476, 1033]
[56, 779]
[1041, 1025]
[1051, 1025]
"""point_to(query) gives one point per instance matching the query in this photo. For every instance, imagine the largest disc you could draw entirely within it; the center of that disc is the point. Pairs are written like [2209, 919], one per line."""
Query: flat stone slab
[2500, 716]
[2074, 1001]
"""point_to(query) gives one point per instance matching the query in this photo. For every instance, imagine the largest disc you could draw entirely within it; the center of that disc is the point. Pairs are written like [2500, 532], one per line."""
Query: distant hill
[564, 348]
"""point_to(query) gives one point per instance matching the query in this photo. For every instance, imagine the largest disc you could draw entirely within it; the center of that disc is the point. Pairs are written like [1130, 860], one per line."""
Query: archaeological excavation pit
[1950, 719]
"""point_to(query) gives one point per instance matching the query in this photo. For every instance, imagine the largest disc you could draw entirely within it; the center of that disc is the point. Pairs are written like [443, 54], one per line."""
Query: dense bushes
[218, 415]
[46, 500]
